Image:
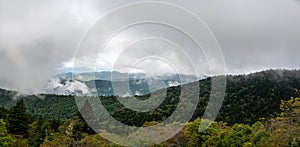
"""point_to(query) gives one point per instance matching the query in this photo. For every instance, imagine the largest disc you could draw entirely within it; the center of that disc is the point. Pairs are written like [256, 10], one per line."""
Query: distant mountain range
[118, 76]
[114, 83]
[248, 98]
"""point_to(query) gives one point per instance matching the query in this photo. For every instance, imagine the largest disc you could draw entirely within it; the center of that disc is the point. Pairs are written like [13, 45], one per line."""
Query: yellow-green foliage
[218, 134]
[285, 129]
[5, 139]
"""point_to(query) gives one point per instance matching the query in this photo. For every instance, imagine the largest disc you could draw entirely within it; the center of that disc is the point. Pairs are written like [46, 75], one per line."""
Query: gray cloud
[37, 37]
[255, 34]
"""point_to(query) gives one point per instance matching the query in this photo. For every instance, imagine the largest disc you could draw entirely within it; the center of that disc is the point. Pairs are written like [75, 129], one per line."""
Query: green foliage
[260, 134]
[94, 140]
[286, 127]
[180, 139]
[20, 142]
[52, 106]
[85, 116]
[39, 132]
[251, 97]
[3, 113]
[196, 137]
[61, 140]
[2, 128]
[248, 98]
[218, 134]
[238, 135]
[18, 120]
[5, 139]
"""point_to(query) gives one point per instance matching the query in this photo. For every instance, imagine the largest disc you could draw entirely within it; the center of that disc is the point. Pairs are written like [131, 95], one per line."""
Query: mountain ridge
[254, 96]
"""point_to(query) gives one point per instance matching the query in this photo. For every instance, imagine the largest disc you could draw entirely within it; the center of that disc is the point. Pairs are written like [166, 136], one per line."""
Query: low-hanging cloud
[55, 86]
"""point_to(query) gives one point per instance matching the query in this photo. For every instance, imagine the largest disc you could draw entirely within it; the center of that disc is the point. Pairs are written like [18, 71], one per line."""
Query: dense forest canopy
[249, 97]
[262, 96]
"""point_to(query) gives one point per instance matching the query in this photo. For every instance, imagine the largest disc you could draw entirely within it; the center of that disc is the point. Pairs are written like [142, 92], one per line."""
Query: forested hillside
[248, 98]
[261, 96]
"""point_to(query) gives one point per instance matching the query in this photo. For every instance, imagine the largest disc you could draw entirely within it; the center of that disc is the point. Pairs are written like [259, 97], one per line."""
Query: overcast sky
[37, 38]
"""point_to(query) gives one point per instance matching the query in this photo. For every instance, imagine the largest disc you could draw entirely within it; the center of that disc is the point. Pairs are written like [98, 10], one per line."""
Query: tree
[85, 116]
[259, 134]
[94, 140]
[18, 120]
[238, 135]
[5, 139]
[218, 134]
[3, 113]
[286, 127]
[196, 138]
[39, 132]
[59, 140]
[62, 138]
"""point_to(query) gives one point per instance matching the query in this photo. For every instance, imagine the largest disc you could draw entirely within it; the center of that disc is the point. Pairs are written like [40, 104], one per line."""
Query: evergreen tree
[5, 139]
[53, 124]
[3, 113]
[39, 133]
[18, 120]
[87, 112]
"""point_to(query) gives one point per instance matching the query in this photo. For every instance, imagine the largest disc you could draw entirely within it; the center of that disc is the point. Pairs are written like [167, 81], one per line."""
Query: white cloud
[173, 83]
[55, 86]
[37, 37]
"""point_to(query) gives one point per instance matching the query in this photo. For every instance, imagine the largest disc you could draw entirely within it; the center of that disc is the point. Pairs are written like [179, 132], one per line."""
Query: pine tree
[3, 113]
[5, 139]
[39, 133]
[87, 112]
[18, 120]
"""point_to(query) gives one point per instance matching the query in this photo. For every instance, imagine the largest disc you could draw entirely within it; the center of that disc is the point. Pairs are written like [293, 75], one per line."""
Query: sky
[40, 38]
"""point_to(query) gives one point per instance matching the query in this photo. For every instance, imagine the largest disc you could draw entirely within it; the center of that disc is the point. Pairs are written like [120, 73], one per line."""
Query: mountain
[118, 76]
[248, 98]
[108, 83]
[7, 98]
[131, 87]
